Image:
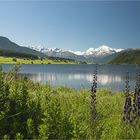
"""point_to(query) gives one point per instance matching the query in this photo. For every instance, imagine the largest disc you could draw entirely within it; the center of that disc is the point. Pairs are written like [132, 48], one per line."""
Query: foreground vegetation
[32, 111]
[13, 60]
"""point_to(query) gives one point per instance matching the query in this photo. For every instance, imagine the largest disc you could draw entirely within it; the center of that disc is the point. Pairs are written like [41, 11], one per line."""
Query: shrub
[14, 59]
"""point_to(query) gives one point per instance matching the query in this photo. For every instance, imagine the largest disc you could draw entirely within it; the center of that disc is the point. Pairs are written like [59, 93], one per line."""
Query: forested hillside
[127, 57]
[6, 44]
[10, 53]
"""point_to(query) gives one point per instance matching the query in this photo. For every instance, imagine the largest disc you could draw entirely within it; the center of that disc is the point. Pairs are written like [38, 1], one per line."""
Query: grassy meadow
[12, 60]
[32, 111]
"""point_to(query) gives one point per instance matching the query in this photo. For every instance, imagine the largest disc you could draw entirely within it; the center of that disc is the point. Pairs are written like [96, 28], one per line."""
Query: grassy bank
[11, 60]
[32, 111]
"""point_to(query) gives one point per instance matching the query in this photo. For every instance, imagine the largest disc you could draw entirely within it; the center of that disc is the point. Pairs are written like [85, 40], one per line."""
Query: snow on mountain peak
[102, 50]
[44, 50]
[77, 52]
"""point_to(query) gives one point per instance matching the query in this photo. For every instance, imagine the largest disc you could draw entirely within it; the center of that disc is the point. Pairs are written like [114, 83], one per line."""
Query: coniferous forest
[33, 111]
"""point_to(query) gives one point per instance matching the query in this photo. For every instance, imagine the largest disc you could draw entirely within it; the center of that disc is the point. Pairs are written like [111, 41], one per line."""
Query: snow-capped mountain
[45, 50]
[77, 52]
[56, 52]
[37, 48]
[99, 52]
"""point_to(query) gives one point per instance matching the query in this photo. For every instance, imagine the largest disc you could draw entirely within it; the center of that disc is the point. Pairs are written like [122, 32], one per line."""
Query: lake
[78, 76]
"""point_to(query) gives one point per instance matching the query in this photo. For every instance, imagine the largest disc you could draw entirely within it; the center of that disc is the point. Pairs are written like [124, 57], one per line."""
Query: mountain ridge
[7, 44]
[101, 54]
[101, 51]
[129, 56]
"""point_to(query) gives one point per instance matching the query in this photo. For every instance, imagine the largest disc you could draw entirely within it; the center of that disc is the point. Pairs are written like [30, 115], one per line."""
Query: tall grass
[32, 111]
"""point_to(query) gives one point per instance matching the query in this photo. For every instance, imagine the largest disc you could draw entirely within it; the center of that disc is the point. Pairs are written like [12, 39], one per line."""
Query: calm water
[78, 76]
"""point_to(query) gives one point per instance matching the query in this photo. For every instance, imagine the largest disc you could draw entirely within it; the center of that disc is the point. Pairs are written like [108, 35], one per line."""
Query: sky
[71, 25]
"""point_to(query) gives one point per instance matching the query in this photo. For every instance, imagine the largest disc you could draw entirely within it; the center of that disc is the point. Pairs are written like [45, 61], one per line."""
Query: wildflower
[136, 100]
[93, 93]
[128, 102]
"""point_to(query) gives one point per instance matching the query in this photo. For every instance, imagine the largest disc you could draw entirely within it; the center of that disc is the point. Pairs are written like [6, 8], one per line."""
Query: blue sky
[72, 25]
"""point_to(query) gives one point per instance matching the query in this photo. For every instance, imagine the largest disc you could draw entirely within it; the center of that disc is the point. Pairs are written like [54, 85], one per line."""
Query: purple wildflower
[128, 102]
[136, 100]
[93, 93]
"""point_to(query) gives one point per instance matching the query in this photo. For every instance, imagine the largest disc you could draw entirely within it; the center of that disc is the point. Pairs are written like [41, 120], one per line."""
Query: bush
[14, 59]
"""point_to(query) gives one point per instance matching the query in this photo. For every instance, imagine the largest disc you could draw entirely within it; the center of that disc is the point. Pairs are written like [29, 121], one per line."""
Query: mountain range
[92, 54]
[101, 54]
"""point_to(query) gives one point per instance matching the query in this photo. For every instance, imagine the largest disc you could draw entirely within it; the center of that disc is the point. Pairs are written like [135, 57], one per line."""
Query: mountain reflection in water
[77, 76]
